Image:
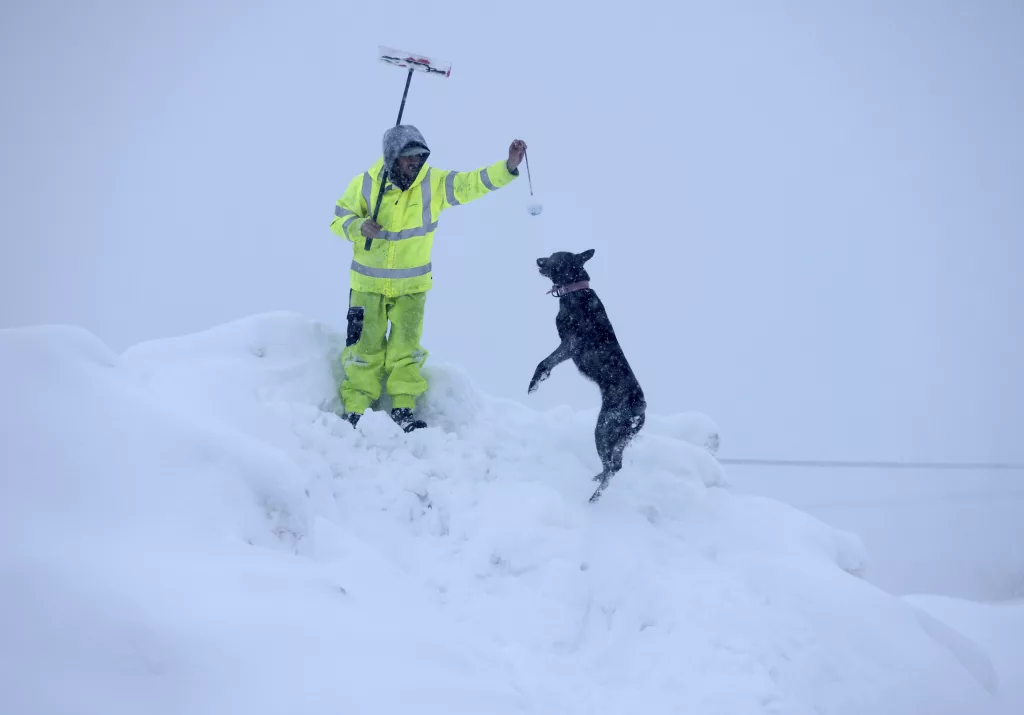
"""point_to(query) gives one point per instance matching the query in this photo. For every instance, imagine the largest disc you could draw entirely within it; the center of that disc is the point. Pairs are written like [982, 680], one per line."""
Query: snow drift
[188, 528]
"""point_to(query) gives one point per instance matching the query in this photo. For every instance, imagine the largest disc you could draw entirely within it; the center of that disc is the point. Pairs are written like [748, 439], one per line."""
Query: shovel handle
[401, 110]
[376, 210]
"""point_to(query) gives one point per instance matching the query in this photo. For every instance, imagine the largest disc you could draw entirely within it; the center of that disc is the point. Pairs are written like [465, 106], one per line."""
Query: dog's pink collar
[559, 291]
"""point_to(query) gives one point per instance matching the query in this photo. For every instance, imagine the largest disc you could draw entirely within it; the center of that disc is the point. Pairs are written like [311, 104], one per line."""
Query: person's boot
[403, 417]
[353, 418]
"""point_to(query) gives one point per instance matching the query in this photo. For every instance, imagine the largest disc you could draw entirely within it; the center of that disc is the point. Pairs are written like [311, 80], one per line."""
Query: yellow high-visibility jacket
[398, 263]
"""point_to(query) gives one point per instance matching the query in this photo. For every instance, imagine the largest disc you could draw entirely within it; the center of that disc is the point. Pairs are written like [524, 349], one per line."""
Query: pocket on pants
[355, 325]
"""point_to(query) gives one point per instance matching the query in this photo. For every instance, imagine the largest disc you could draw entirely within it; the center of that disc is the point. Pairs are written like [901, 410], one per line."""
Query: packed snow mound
[189, 528]
[998, 627]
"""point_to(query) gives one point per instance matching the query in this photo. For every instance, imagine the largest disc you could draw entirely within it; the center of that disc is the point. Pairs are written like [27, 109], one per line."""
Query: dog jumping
[587, 338]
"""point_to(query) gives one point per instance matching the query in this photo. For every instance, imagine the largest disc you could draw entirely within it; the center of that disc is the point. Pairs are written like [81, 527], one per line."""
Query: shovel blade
[414, 61]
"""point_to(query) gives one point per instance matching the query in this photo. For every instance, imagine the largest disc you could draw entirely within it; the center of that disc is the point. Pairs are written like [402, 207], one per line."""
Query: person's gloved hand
[516, 152]
[370, 228]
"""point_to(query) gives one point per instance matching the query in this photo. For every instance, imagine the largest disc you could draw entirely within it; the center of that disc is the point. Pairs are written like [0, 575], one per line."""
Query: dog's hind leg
[604, 440]
[616, 428]
[608, 436]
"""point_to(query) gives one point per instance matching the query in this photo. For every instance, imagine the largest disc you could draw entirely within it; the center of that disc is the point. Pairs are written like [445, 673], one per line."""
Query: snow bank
[996, 629]
[188, 528]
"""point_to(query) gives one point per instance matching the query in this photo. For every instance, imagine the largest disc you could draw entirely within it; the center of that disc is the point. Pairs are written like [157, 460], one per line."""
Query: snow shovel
[415, 63]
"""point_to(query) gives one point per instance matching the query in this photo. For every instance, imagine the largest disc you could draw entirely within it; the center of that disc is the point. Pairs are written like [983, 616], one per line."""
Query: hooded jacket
[398, 261]
[400, 140]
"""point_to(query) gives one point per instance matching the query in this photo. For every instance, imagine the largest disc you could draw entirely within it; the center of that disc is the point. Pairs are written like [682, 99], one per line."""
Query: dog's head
[563, 268]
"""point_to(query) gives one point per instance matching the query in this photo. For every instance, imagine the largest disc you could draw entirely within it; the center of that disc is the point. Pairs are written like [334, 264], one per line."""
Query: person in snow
[391, 271]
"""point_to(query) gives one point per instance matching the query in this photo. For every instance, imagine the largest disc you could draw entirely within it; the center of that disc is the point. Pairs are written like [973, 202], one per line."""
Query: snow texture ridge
[189, 528]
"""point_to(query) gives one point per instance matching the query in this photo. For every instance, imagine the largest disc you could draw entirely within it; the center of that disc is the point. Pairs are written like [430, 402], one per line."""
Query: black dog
[589, 341]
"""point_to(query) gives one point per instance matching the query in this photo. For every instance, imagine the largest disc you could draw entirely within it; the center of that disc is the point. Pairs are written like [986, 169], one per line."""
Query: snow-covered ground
[188, 528]
[954, 532]
[998, 628]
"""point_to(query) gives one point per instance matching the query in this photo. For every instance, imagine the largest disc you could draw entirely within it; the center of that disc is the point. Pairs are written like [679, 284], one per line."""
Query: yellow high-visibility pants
[370, 353]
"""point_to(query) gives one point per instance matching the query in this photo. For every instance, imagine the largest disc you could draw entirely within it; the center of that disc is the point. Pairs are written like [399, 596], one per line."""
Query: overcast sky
[808, 220]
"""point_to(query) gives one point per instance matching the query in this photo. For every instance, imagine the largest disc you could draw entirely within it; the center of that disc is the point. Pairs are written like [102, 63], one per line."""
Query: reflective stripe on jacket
[398, 263]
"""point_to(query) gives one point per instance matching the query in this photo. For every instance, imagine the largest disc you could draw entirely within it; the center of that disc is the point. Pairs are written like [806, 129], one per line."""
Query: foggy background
[807, 219]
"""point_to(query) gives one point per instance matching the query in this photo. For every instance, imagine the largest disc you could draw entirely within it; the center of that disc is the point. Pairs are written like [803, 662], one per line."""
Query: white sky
[808, 220]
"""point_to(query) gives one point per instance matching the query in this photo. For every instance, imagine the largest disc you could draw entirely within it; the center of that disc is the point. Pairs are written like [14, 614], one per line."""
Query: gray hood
[398, 139]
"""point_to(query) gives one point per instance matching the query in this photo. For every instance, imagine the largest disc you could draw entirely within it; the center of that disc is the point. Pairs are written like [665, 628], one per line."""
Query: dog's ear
[585, 256]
